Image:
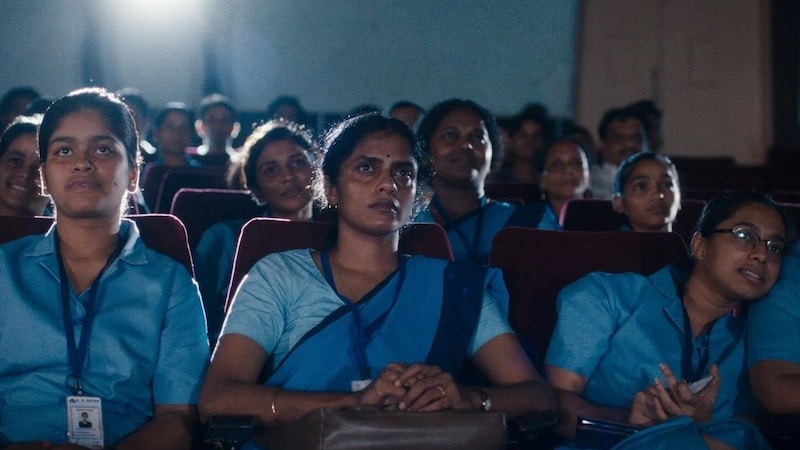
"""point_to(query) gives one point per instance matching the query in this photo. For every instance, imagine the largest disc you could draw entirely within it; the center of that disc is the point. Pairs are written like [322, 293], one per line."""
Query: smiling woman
[683, 332]
[20, 188]
[132, 307]
[460, 136]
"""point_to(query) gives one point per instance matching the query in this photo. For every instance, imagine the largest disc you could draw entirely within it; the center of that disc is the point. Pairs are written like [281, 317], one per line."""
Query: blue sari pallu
[425, 312]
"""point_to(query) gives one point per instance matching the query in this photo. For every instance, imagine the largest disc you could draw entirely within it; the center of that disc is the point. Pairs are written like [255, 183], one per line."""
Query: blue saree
[357, 341]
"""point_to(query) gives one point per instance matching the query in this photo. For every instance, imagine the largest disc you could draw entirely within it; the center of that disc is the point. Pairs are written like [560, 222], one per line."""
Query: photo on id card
[85, 421]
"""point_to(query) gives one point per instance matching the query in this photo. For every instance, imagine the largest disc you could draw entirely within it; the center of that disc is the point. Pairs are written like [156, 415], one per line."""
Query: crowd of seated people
[130, 327]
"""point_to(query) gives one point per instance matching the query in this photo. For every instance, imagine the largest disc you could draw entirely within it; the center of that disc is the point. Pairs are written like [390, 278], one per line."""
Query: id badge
[359, 385]
[85, 421]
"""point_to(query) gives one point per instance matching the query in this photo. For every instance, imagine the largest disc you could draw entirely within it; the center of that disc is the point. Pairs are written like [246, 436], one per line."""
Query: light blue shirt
[148, 342]
[773, 324]
[284, 296]
[615, 329]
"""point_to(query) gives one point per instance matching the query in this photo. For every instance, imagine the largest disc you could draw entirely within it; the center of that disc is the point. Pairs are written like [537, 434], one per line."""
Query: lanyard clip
[77, 385]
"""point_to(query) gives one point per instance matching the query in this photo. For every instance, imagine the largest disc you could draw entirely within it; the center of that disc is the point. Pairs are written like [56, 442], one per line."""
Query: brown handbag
[354, 429]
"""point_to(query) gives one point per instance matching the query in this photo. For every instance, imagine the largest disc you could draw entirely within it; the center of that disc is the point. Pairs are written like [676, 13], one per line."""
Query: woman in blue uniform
[627, 347]
[358, 324]
[460, 136]
[90, 316]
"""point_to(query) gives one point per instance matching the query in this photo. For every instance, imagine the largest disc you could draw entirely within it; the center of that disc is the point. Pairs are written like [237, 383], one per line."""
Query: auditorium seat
[161, 232]
[590, 214]
[175, 179]
[262, 236]
[536, 264]
[199, 209]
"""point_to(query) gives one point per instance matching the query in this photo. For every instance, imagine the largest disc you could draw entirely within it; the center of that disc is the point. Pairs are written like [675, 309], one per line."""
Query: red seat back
[427, 239]
[176, 179]
[198, 209]
[160, 232]
[536, 264]
[592, 214]
[262, 236]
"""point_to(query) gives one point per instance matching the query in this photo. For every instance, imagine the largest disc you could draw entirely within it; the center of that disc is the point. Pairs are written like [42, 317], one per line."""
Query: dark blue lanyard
[472, 248]
[77, 353]
[689, 372]
[363, 334]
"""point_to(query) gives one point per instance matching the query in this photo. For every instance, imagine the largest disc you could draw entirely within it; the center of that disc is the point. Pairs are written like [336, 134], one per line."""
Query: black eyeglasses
[748, 240]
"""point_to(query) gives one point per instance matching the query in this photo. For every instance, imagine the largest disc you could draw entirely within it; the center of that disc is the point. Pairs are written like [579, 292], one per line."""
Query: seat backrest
[592, 214]
[687, 217]
[165, 234]
[175, 179]
[150, 182]
[160, 232]
[198, 209]
[427, 239]
[793, 210]
[536, 264]
[15, 227]
[261, 236]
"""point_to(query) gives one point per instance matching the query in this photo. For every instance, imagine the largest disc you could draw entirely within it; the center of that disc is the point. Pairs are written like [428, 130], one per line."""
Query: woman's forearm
[517, 399]
[270, 406]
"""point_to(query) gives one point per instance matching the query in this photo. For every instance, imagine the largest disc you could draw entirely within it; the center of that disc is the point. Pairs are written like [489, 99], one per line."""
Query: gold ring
[441, 390]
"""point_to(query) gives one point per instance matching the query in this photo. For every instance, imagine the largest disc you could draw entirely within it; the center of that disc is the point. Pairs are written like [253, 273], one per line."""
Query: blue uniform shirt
[773, 324]
[615, 329]
[148, 342]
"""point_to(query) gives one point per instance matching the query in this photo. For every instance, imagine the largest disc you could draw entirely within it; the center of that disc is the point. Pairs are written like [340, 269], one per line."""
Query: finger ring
[441, 390]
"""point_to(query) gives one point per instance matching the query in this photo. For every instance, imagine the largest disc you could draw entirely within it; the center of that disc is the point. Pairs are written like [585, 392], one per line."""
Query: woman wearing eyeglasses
[628, 347]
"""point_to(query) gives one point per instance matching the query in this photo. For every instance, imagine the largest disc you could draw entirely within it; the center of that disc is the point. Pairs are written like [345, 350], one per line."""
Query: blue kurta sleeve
[586, 320]
[183, 355]
[774, 322]
[258, 309]
[492, 323]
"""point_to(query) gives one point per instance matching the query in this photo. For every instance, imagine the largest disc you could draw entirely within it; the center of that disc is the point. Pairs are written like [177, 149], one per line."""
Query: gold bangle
[274, 409]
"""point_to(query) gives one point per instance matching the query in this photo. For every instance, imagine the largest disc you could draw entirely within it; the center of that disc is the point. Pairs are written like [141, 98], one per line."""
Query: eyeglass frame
[759, 240]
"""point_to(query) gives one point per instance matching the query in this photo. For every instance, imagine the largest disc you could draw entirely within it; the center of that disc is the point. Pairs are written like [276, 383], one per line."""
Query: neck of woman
[359, 262]
[703, 304]
[355, 250]
[85, 246]
[458, 200]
